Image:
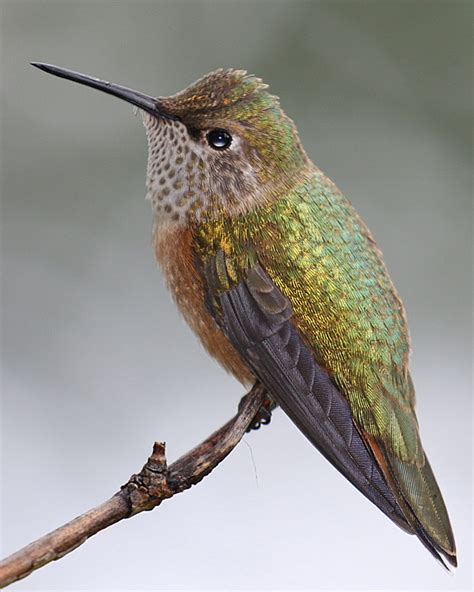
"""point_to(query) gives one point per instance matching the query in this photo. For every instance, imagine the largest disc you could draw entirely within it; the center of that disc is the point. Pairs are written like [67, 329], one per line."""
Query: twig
[144, 491]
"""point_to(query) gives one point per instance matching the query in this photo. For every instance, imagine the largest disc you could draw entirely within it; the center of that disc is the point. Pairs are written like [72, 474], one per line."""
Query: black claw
[263, 415]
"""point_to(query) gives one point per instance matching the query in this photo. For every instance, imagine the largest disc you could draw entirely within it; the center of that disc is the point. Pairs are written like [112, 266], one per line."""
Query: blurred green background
[97, 363]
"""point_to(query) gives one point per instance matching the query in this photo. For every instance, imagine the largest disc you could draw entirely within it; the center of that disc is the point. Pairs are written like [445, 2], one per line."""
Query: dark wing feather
[256, 317]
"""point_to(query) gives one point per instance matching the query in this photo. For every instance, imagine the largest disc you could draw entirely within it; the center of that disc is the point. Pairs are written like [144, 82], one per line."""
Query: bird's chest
[174, 252]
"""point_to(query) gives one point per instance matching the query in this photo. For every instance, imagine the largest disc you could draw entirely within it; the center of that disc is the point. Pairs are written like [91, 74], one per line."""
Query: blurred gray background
[97, 363]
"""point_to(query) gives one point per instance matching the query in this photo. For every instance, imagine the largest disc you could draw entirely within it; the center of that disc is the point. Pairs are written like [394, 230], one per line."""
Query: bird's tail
[429, 517]
[421, 501]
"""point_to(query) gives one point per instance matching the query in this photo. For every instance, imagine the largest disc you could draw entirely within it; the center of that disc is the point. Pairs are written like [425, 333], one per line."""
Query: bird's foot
[263, 415]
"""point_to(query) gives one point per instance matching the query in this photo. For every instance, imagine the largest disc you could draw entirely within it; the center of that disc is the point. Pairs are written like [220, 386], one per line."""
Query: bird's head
[222, 145]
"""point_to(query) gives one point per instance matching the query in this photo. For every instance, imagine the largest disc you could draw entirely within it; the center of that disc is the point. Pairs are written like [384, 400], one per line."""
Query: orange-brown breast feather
[174, 252]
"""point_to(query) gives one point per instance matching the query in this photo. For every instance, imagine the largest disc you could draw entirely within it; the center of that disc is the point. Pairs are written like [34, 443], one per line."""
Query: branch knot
[147, 489]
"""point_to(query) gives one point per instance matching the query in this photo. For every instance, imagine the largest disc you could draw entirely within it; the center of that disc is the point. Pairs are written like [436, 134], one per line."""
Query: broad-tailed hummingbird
[283, 283]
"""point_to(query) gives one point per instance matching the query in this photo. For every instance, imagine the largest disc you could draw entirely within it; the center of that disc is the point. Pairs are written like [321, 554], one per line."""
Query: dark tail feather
[429, 517]
[420, 499]
[448, 561]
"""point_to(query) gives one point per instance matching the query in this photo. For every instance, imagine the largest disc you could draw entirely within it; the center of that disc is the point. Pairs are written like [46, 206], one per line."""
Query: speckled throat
[185, 178]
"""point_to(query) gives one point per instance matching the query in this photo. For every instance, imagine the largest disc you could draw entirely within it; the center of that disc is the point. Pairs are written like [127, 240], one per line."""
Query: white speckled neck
[173, 169]
[185, 177]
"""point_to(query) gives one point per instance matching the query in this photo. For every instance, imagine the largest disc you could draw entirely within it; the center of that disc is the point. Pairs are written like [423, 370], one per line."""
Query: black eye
[219, 139]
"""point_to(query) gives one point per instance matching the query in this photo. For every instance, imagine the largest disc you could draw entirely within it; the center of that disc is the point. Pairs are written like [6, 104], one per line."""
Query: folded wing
[257, 318]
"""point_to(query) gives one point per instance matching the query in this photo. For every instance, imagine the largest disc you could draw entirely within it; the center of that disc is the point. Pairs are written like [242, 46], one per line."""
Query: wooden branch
[144, 491]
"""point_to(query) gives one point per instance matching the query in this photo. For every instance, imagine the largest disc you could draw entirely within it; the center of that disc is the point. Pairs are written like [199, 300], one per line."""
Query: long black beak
[134, 97]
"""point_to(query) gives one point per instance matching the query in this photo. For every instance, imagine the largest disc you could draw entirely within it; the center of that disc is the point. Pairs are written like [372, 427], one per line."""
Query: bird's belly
[174, 253]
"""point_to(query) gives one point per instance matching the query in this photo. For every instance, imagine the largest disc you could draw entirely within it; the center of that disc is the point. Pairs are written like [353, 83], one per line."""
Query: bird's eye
[219, 139]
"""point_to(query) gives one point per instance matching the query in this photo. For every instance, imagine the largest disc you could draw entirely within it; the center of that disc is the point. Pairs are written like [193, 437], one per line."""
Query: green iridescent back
[322, 257]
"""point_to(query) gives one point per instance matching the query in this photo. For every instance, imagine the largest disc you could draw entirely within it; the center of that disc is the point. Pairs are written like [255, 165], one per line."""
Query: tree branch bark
[143, 491]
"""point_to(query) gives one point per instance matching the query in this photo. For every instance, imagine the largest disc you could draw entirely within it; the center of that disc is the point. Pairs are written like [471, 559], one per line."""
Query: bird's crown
[225, 93]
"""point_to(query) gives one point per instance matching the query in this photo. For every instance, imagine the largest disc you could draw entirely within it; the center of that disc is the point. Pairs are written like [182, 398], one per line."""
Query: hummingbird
[284, 285]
